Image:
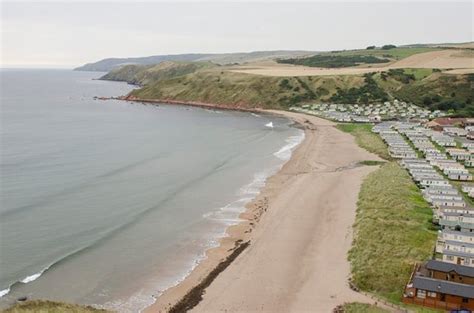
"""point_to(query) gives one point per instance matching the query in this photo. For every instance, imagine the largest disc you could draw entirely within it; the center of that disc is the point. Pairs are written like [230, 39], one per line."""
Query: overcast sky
[61, 34]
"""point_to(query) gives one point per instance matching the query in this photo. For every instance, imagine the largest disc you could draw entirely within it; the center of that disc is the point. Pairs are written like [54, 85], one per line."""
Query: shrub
[388, 47]
[334, 61]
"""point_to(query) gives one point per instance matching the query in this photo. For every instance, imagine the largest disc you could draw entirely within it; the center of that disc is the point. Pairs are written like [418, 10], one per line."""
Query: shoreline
[203, 105]
[237, 237]
[244, 232]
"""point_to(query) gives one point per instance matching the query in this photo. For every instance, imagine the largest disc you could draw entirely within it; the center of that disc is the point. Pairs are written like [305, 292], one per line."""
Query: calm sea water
[109, 202]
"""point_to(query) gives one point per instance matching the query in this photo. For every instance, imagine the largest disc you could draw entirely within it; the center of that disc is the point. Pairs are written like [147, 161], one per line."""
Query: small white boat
[269, 125]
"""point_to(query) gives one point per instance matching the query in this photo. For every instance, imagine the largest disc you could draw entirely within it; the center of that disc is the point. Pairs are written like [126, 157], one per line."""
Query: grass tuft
[392, 232]
[366, 139]
[356, 307]
[43, 306]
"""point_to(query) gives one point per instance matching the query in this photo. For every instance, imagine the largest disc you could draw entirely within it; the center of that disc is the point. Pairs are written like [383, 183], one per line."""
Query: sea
[108, 202]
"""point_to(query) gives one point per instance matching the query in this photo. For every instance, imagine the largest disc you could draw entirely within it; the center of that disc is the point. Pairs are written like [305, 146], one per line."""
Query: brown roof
[447, 121]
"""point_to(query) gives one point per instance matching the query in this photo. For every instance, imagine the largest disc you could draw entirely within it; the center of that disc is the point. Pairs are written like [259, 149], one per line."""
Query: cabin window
[465, 300]
[443, 297]
[432, 294]
[421, 294]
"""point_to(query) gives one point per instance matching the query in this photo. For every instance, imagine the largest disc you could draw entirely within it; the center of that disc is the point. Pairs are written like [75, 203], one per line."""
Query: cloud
[60, 33]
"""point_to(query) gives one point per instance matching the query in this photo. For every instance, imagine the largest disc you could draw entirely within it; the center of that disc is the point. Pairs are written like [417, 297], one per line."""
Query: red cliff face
[240, 106]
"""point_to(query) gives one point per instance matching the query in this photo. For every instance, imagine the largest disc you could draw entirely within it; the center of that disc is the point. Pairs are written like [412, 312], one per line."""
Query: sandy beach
[299, 228]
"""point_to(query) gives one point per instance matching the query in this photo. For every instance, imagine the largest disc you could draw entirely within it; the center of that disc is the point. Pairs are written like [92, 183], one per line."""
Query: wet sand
[299, 228]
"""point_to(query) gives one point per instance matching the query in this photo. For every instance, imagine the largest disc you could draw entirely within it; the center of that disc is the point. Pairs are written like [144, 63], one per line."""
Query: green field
[334, 61]
[366, 139]
[396, 53]
[419, 73]
[348, 58]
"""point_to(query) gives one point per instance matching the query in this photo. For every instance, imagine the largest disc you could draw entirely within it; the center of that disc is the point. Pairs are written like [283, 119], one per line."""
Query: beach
[162, 182]
[299, 230]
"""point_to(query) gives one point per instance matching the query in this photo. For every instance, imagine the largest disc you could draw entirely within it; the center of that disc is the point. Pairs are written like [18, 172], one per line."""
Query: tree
[427, 101]
[388, 47]
[370, 48]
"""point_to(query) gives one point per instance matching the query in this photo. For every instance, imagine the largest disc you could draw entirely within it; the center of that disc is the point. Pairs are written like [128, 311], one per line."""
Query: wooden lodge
[441, 285]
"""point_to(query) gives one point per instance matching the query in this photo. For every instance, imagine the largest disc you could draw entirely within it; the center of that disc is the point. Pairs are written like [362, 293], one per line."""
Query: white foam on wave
[4, 292]
[254, 114]
[292, 142]
[270, 125]
[25, 280]
[228, 215]
[135, 303]
[33, 277]
[253, 188]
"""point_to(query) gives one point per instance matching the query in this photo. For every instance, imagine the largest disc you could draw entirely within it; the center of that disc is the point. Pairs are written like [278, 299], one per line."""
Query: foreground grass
[366, 139]
[356, 307]
[392, 232]
[40, 306]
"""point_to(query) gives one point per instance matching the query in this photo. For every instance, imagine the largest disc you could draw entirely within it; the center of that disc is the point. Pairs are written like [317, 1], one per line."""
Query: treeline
[450, 93]
[334, 61]
[369, 92]
[385, 47]
[452, 106]
[399, 75]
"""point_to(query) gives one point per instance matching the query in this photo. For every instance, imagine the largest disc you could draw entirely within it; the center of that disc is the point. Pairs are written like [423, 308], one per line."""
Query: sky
[68, 34]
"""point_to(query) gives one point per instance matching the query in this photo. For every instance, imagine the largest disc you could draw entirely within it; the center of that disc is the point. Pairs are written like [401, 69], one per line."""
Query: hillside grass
[366, 139]
[396, 53]
[348, 58]
[435, 91]
[393, 230]
[356, 307]
[42, 306]
[220, 86]
[146, 74]
[204, 82]
[419, 73]
[334, 61]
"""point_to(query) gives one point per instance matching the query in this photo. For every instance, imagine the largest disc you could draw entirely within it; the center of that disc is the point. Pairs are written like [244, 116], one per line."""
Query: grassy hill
[224, 87]
[109, 64]
[146, 74]
[424, 87]
[347, 58]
